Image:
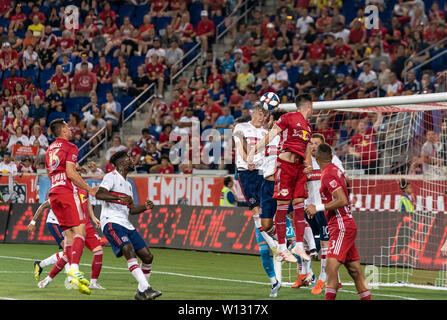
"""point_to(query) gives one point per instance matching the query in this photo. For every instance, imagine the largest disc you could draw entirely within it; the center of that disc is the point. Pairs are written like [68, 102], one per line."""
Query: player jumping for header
[117, 203]
[290, 177]
[342, 227]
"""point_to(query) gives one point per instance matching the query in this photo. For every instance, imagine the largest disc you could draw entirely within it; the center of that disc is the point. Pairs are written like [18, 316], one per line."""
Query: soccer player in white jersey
[319, 220]
[246, 135]
[115, 193]
[250, 178]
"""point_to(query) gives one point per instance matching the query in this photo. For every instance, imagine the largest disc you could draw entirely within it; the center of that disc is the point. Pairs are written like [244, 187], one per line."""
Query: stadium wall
[231, 230]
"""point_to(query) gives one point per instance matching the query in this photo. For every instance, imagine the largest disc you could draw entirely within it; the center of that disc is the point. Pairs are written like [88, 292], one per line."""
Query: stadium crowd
[89, 73]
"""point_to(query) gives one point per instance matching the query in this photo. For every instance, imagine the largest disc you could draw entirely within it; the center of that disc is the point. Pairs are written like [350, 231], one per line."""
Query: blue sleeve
[231, 197]
[118, 107]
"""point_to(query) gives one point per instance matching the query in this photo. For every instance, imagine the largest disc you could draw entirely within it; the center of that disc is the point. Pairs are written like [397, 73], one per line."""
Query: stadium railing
[440, 42]
[101, 133]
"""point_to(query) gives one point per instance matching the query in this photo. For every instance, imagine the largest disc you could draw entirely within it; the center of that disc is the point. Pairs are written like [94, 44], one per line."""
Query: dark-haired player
[117, 203]
[342, 227]
[293, 163]
[60, 158]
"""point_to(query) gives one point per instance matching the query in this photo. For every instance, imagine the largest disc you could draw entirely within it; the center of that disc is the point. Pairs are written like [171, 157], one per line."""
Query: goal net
[381, 142]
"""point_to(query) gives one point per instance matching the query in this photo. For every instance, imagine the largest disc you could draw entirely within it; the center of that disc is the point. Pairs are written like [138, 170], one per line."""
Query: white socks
[138, 274]
[309, 237]
[264, 234]
[50, 260]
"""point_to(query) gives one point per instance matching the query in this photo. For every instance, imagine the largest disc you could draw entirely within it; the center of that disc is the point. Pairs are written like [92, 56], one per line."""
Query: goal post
[381, 142]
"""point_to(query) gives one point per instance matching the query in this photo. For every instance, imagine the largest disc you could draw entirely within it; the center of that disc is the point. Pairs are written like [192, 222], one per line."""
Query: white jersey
[253, 135]
[116, 212]
[271, 154]
[51, 218]
[314, 181]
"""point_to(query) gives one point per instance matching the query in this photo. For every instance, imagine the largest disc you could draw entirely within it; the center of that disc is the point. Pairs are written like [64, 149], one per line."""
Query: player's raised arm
[264, 142]
[74, 176]
[32, 225]
[105, 195]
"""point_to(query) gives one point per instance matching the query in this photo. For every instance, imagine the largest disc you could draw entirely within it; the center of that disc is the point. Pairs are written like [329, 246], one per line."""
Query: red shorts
[92, 239]
[67, 209]
[290, 180]
[342, 245]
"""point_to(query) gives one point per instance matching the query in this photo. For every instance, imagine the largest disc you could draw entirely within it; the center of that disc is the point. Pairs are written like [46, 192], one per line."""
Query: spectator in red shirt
[363, 146]
[323, 128]
[66, 43]
[5, 8]
[31, 92]
[35, 12]
[184, 29]
[205, 31]
[165, 166]
[271, 34]
[11, 81]
[212, 111]
[357, 33]
[343, 52]
[316, 51]
[214, 76]
[48, 38]
[17, 19]
[158, 8]
[9, 58]
[107, 12]
[178, 105]
[323, 21]
[62, 81]
[155, 72]
[109, 28]
[83, 83]
[89, 28]
[103, 71]
[18, 121]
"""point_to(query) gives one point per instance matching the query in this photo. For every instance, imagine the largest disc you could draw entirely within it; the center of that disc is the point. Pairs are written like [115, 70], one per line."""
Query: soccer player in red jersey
[293, 164]
[60, 158]
[342, 227]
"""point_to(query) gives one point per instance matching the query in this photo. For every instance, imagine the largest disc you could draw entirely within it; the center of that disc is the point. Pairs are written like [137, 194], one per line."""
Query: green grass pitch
[179, 274]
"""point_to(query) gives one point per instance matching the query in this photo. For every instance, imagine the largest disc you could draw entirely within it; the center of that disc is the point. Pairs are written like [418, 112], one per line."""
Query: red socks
[330, 293]
[58, 266]
[299, 222]
[77, 248]
[280, 222]
[365, 295]
[96, 264]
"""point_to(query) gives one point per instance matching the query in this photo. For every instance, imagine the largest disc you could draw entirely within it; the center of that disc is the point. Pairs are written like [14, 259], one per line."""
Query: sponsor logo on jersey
[333, 184]
[125, 239]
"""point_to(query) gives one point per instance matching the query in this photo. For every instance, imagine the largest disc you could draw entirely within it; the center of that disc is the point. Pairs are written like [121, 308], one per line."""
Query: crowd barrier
[220, 229]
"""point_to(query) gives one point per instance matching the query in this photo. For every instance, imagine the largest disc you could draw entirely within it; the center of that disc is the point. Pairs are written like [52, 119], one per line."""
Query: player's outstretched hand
[307, 170]
[96, 222]
[149, 204]
[93, 191]
[31, 228]
[311, 210]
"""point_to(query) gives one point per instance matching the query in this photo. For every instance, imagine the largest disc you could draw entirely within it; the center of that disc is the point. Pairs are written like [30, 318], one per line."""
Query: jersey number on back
[54, 160]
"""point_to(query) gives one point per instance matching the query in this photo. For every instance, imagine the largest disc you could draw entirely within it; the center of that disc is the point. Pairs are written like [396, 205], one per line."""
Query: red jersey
[296, 133]
[60, 80]
[177, 107]
[57, 155]
[316, 51]
[66, 44]
[153, 69]
[205, 27]
[365, 145]
[332, 178]
[167, 170]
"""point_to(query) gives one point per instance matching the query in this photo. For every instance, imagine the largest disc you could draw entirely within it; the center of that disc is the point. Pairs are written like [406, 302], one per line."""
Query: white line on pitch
[213, 278]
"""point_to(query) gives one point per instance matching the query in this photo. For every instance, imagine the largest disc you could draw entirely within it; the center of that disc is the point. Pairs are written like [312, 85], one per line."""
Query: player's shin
[299, 222]
[96, 266]
[271, 243]
[146, 268]
[138, 274]
[280, 225]
[58, 266]
[77, 249]
[50, 260]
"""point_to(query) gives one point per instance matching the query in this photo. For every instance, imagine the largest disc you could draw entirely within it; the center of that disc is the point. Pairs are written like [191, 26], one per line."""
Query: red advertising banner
[20, 150]
[380, 234]
[20, 188]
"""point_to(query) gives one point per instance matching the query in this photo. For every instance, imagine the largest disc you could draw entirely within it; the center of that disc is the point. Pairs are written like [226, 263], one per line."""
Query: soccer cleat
[149, 294]
[286, 255]
[301, 253]
[78, 275]
[318, 287]
[81, 287]
[275, 288]
[299, 282]
[96, 286]
[37, 270]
